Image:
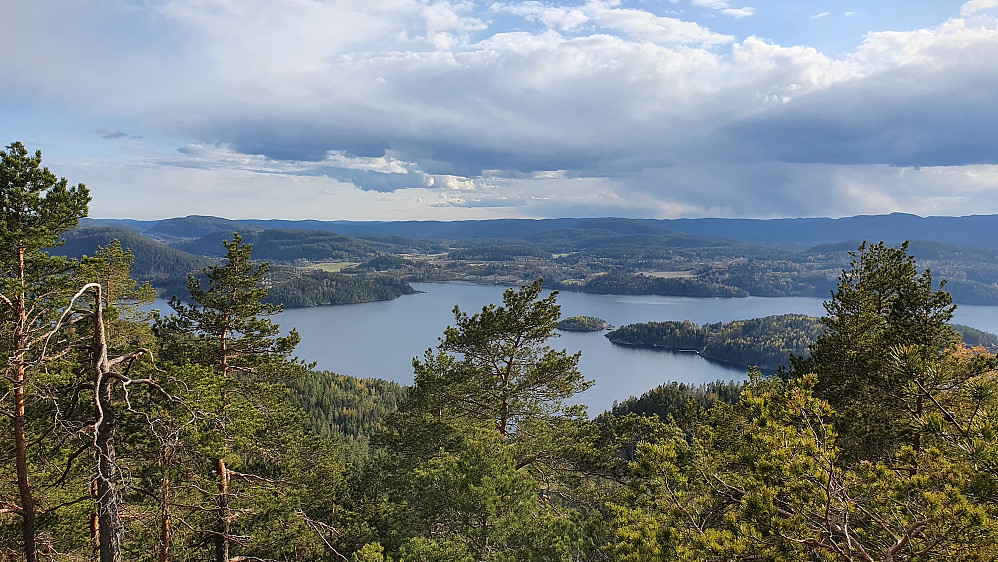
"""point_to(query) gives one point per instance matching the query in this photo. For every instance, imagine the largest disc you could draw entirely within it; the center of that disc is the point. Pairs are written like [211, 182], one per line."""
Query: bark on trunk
[94, 522]
[223, 520]
[108, 521]
[21, 462]
[164, 519]
[222, 507]
[20, 440]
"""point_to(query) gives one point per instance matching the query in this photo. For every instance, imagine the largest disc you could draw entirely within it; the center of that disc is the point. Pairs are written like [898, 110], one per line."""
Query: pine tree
[882, 303]
[226, 330]
[35, 208]
[483, 437]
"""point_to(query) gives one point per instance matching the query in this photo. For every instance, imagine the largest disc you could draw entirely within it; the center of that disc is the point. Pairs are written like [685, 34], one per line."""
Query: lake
[380, 339]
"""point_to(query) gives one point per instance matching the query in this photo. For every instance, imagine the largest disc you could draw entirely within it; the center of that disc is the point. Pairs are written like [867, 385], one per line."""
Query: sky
[461, 109]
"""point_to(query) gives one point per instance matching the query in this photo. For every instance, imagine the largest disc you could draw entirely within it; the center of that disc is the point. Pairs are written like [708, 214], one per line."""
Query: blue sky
[456, 109]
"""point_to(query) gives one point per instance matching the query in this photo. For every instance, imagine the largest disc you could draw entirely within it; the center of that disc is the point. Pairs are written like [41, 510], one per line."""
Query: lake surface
[380, 339]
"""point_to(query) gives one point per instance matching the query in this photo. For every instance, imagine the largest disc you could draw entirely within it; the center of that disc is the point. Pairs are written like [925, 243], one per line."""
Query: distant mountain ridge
[973, 230]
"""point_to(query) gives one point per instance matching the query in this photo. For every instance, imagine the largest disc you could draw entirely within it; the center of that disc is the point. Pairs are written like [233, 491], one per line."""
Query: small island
[584, 324]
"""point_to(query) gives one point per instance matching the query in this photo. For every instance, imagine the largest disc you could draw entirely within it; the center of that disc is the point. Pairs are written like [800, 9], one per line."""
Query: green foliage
[486, 441]
[670, 335]
[583, 324]
[322, 288]
[156, 263]
[765, 343]
[346, 409]
[386, 262]
[499, 251]
[763, 480]
[485, 458]
[226, 320]
[245, 429]
[676, 398]
[494, 367]
[973, 337]
[882, 302]
[909, 475]
[789, 276]
[35, 208]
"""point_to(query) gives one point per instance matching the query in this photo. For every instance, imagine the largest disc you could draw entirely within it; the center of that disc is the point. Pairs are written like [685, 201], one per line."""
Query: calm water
[380, 339]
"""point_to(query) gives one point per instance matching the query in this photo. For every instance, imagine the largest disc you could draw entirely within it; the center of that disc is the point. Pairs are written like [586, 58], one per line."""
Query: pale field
[333, 266]
[670, 274]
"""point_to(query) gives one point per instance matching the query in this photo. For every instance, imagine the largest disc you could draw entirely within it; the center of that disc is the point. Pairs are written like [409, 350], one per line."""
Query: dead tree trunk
[108, 495]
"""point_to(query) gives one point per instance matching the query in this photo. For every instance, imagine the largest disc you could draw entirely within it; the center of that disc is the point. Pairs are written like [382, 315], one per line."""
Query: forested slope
[154, 262]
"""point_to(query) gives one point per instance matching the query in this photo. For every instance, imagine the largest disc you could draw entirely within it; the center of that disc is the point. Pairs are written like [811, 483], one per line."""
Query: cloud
[608, 17]
[562, 18]
[819, 15]
[645, 26]
[725, 8]
[111, 133]
[383, 174]
[739, 13]
[975, 6]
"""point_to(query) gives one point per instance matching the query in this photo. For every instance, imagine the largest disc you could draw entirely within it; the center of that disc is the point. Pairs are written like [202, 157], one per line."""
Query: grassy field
[333, 266]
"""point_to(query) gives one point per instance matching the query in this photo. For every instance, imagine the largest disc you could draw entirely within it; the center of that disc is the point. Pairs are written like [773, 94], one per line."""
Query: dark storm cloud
[907, 117]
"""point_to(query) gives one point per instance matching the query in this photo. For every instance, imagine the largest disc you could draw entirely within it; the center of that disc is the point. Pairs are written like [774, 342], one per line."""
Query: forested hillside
[346, 409]
[677, 400]
[625, 284]
[167, 269]
[154, 262]
[288, 245]
[630, 256]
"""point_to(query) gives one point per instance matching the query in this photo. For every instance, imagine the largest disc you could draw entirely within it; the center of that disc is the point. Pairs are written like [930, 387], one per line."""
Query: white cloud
[608, 17]
[975, 6]
[562, 18]
[645, 26]
[739, 13]
[725, 8]
[819, 15]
